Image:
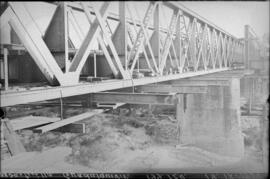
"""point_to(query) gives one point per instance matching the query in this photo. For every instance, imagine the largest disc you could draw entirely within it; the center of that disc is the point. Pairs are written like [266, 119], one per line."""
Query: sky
[233, 15]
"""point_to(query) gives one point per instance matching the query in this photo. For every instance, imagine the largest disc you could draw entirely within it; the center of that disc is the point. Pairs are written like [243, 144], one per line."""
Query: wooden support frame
[134, 98]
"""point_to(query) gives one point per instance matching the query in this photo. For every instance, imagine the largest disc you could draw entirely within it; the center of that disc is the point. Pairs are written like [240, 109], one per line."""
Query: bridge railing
[129, 45]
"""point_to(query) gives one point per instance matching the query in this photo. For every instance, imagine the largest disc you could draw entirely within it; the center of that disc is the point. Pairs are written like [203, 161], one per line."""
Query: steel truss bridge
[60, 37]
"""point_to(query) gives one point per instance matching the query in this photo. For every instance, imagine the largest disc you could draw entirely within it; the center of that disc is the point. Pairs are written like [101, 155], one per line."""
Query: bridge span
[66, 49]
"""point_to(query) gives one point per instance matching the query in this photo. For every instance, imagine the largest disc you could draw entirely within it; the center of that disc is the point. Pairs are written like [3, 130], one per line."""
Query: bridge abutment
[211, 121]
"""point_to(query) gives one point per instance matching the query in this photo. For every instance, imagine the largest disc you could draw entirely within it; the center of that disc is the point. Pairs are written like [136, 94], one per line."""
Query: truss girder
[191, 43]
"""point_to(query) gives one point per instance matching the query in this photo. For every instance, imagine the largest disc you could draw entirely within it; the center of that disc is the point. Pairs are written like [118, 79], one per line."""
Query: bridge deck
[9, 97]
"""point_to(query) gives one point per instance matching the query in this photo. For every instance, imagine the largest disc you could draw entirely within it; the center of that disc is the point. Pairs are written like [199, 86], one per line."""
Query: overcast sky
[233, 15]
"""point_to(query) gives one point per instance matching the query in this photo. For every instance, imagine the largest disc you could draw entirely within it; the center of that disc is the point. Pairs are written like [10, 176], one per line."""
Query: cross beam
[134, 98]
[162, 88]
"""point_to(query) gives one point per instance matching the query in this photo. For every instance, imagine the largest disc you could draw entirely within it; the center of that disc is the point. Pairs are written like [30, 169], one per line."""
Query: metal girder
[162, 88]
[225, 75]
[9, 98]
[192, 14]
[144, 48]
[202, 82]
[134, 98]
[141, 36]
[84, 50]
[199, 35]
[100, 19]
[102, 45]
[30, 43]
[168, 40]
[31, 37]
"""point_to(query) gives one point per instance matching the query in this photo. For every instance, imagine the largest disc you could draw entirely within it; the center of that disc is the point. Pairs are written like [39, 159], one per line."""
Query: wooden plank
[67, 121]
[26, 112]
[134, 98]
[14, 144]
[111, 106]
[159, 88]
[31, 121]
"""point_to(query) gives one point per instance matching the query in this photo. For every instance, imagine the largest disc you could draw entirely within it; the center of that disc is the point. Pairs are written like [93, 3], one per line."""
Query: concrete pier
[211, 121]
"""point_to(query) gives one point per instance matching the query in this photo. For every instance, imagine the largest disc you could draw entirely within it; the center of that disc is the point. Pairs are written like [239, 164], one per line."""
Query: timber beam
[161, 88]
[135, 98]
[67, 121]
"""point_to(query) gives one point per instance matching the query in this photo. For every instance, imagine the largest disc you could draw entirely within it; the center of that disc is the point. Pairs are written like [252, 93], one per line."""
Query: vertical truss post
[61, 107]
[95, 64]
[155, 39]
[250, 95]
[193, 48]
[6, 68]
[247, 44]
[67, 62]
[177, 44]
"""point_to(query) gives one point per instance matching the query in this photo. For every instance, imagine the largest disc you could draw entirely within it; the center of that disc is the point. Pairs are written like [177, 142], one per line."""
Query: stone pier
[211, 121]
